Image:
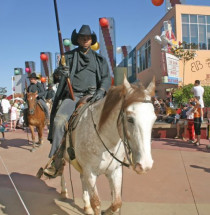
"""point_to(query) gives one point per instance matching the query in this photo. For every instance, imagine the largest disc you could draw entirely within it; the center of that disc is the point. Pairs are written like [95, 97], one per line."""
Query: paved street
[178, 184]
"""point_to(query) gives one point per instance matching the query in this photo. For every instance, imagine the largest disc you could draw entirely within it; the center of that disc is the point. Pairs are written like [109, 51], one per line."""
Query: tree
[183, 94]
[183, 54]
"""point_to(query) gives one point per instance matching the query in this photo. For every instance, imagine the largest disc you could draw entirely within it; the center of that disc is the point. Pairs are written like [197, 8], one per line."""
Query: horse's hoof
[88, 211]
[64, 195]
[32, 150]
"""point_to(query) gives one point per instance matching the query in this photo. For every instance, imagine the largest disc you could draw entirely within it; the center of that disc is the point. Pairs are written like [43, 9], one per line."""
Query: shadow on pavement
[38, 197]
[17, 143]
[183, 144]
[200, 167]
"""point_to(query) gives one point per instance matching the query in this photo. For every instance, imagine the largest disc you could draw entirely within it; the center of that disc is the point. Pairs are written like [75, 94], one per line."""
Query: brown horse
[36, 118]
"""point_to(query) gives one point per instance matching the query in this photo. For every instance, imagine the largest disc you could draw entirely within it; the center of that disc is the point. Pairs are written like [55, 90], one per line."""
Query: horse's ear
[126, 84]
[150, 91]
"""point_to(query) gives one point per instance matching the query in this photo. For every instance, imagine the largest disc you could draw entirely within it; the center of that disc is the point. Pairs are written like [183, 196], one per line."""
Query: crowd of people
[189, 115]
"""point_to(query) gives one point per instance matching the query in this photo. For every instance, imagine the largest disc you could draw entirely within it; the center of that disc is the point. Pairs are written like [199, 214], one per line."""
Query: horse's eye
[130, 120]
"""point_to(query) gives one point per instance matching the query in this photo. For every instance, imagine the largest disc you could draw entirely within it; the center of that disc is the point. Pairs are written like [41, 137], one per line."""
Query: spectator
[20, 121]
[21, 106]
[1, 114]
[13, 117]
[197, 120]
[208, 128]
[198, 92]
[182, 121]
[5, 108]
[50, 93]
[190, 119]
[170, 113]
[169, 101]
[2, 130]
[162, 106]
[16, 104]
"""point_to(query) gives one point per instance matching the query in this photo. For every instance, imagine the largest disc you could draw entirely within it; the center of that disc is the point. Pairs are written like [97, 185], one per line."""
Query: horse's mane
[116, 94]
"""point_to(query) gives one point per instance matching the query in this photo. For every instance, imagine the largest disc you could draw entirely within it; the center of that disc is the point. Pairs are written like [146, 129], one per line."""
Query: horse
[115, 128]
[36, 118]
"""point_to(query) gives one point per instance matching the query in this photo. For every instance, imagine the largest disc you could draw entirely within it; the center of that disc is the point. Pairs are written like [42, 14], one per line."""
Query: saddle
[57, 162]
[40, 105]
[81, 106]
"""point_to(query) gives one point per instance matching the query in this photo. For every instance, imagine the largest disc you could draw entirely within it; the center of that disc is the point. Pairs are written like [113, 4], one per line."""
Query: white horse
[126, 114]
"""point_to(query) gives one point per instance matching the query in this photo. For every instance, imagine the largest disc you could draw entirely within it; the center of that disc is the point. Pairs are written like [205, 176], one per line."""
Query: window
[144, 55]
[196, 31]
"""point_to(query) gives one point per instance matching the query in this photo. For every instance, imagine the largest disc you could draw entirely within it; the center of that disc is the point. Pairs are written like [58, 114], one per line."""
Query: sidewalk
[178, 184]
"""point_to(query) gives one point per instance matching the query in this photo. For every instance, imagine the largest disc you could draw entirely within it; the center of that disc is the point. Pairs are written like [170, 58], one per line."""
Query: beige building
[190, 24]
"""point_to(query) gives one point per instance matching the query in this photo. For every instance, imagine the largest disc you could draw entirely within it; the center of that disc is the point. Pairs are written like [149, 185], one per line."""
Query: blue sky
[28, 27]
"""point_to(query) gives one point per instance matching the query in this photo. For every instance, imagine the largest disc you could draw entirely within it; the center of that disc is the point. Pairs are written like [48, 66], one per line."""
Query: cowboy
[50, 93]
[36, 86]
[89, 75]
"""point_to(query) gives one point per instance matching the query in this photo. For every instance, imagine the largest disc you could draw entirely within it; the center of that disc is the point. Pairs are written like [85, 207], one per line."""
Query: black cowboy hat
[33, 75]
[84, 30]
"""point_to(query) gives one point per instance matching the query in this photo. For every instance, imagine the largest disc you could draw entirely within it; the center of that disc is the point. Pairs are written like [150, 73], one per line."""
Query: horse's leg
[64, 191]
[115, 182]
[86, 198]
[40, 134]
[33, 138]
[93, 193]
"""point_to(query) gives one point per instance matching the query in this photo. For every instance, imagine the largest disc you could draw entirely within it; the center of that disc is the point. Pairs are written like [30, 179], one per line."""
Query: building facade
[190, 24]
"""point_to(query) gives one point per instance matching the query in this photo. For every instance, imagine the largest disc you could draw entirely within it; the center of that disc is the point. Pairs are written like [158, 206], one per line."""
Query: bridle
[125, 139]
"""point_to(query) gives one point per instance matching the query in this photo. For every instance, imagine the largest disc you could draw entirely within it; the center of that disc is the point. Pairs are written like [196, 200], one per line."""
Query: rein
[123, 163]
[125, 138]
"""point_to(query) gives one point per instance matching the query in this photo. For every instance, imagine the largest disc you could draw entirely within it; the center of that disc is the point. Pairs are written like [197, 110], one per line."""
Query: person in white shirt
[5, 108]
[13, 117]
[198, 92]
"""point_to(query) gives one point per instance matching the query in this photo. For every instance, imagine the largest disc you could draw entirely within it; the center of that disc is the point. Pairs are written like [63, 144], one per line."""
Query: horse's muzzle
[139, 169]
[31, 112]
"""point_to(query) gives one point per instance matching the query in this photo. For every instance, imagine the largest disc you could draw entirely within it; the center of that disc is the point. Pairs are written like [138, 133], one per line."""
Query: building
[190, 24]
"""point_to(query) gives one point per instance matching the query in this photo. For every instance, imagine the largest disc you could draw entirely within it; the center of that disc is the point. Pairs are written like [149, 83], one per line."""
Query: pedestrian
[198, 92]
[197, 120]
[182, 121]
[5, 108]
[13, 117]
[50, 93]
[170, 113]
[2, 130]
[1, 114]
[190, 119]
[208, 127]
[89, 75]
